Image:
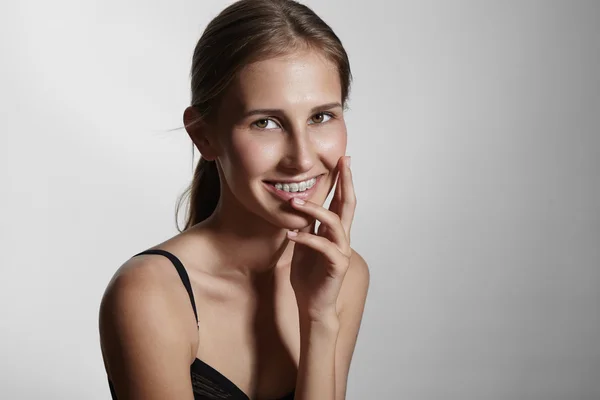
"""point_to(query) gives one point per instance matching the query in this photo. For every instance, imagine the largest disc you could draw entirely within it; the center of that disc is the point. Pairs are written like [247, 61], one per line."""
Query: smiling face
[280, 125]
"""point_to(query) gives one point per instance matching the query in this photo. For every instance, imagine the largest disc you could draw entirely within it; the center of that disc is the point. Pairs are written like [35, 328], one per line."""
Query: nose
[301, 154]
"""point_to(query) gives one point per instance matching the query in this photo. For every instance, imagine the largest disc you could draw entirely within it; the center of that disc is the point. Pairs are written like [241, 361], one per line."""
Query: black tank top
[207, 382]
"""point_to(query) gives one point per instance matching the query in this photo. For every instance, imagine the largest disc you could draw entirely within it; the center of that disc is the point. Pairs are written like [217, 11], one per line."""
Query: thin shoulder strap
[180, 270]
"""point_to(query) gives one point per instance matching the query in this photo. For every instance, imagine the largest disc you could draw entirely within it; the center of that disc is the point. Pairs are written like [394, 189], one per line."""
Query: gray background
[474, 134]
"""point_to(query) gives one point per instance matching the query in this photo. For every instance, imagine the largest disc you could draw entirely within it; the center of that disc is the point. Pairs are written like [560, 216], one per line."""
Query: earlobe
[197, 129]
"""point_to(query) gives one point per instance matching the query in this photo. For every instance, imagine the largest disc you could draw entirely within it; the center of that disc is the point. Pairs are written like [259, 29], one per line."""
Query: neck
[244, 242]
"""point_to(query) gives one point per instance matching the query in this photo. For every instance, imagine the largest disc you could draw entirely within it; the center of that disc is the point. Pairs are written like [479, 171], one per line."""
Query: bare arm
[327, 345]
[330, 281]
[145, 352]
[352, 303]
[316, 369]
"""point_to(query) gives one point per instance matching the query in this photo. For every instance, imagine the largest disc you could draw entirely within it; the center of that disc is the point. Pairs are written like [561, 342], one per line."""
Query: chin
[297, 223]
[291, 220]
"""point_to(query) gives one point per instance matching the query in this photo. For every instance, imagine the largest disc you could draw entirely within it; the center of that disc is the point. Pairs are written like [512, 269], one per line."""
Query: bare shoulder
[359, 268]
[356, 284]
[140, 282]
[145, 330]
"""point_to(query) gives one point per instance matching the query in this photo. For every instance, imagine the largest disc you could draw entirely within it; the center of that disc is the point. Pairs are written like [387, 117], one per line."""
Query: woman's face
[281, 124]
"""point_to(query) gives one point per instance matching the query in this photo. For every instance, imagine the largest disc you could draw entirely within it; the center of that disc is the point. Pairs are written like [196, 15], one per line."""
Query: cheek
[253, 156]
[332, 145]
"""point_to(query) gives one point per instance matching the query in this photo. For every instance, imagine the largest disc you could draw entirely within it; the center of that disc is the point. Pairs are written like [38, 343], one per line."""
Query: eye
[264, 123]
[321, 118]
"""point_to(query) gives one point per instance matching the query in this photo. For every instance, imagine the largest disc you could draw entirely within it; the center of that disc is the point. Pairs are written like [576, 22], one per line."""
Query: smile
[289, 190]
[296, 186]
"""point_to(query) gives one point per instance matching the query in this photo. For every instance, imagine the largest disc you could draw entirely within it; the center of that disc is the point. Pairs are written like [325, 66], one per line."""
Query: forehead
[300, 80]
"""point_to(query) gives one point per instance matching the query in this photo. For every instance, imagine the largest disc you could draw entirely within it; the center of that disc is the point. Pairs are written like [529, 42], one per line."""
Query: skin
[283, 310]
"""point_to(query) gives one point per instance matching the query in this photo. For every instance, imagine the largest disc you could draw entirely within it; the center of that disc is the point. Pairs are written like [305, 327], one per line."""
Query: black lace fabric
[206, 389]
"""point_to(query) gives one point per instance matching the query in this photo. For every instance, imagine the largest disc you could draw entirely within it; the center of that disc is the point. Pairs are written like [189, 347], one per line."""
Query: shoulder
[151, 278]
[144, 294]
[356, 284]
[146, 333]
[359, 267]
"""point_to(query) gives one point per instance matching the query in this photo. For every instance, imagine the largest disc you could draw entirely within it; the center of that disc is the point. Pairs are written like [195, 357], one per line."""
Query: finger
[320, 244]
[337, 195]
[348, 198]
[327, 218]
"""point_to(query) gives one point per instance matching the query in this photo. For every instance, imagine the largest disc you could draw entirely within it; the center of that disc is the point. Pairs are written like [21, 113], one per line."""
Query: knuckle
[343, 264]
[347, 252]
[332, 219]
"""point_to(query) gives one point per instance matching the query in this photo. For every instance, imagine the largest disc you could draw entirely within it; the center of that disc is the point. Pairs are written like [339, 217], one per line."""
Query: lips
[282, 194]
[282, 181]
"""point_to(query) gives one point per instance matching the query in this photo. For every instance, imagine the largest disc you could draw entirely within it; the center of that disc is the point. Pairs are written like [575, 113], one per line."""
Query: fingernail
[298, 201]
[292, 233]
[349, 161]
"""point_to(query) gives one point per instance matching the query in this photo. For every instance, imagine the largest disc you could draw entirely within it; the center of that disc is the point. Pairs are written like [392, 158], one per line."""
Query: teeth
[296, 186]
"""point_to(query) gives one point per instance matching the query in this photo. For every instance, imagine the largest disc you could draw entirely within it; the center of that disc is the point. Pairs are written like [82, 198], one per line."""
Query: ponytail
[203, 193]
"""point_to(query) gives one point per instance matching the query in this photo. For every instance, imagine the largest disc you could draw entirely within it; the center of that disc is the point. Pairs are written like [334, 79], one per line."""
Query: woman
[277, 306]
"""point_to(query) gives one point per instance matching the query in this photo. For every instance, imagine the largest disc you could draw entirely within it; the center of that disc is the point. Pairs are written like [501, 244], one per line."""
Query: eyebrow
[263, 111]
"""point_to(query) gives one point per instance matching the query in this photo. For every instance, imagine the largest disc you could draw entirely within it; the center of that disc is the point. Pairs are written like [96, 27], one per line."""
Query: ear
[198, 130]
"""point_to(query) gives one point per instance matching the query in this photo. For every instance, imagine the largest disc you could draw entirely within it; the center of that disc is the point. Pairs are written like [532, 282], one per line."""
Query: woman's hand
[320, 261]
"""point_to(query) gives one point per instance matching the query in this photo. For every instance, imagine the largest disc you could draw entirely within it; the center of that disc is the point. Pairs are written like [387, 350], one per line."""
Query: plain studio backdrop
[474, 130]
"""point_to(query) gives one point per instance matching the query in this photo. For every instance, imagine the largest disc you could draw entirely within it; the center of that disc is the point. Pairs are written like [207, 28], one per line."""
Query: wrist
[327, 322]
[320, 336]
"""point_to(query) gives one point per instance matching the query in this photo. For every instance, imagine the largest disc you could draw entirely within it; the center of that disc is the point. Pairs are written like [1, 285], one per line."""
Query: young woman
[250, 301]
